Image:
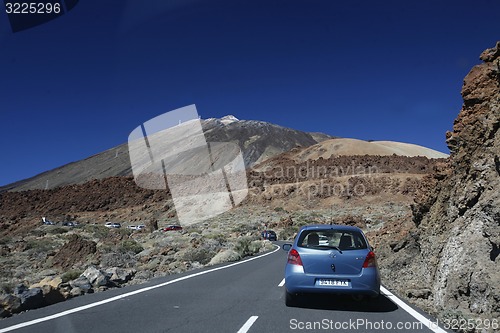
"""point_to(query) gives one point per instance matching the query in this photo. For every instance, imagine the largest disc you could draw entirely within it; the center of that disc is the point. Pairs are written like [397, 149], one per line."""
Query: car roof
[330, 227]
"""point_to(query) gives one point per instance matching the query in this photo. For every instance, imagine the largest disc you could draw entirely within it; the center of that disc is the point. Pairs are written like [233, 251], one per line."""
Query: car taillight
[294, 257]
[370, 260]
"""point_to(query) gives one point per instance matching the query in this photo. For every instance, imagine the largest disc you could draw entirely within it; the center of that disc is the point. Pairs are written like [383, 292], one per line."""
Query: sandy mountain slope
[351, 147]
[338, 148]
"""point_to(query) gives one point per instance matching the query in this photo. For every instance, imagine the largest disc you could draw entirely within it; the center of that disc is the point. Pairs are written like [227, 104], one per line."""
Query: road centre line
[248, 324]
[135, 292]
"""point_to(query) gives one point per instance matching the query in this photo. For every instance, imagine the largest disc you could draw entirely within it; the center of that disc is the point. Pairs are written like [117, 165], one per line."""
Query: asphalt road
[242, 297]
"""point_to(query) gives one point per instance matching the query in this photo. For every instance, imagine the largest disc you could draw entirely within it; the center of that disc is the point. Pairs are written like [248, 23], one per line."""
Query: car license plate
[333, 283]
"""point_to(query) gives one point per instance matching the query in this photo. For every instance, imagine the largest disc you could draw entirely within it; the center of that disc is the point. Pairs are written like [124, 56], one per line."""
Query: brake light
[370, 260]
[294, 257]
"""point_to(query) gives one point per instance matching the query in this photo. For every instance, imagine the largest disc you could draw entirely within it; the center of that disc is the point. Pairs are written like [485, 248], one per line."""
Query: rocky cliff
[453, 252]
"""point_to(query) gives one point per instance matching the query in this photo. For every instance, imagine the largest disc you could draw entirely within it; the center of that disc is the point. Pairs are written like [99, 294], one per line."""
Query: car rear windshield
[331, 238]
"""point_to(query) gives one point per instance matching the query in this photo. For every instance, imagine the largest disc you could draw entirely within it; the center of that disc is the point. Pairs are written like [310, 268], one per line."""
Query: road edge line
[421, 318]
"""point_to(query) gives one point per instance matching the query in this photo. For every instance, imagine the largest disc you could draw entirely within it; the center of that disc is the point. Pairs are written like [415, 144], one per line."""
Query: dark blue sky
[374, 70]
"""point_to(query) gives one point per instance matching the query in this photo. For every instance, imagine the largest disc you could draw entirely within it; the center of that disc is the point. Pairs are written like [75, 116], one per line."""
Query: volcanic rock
[458, 221]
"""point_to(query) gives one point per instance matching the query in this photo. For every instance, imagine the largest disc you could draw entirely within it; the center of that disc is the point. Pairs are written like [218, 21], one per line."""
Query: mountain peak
[228, 119]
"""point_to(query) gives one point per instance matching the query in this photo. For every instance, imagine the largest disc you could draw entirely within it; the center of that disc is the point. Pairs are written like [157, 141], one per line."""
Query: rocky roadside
[447, 263]
[61, 263]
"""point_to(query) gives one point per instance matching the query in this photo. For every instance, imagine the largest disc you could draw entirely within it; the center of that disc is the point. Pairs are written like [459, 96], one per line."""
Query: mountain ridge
[258, 141]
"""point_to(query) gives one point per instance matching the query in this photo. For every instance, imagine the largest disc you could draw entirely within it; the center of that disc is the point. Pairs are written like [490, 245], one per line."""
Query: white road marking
[282, 283]
[248, 324]
[427, 322]
[135, 292]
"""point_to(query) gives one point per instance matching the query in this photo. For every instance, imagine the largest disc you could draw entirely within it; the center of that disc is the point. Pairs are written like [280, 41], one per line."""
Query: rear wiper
[331, 247]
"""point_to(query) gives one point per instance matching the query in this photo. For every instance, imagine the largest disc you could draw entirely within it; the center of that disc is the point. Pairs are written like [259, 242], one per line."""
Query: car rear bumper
[366, 283]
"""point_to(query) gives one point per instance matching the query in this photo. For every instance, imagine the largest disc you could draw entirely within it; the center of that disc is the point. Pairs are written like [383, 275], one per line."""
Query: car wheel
[290, 299]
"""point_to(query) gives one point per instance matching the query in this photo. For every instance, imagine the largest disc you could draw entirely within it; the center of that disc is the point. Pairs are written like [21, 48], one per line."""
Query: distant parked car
[269, 234]
[113, 225]
[137, 227]
[172, 228]
[330, 259]
[47, 222]
[70, 224]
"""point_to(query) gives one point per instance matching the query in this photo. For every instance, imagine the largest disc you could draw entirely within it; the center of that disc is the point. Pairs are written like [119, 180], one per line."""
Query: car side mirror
[286, 247]
[372, 248]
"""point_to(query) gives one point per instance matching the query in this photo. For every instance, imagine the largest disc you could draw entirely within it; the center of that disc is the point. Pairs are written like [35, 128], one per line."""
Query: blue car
[269, 234]
[330, 259]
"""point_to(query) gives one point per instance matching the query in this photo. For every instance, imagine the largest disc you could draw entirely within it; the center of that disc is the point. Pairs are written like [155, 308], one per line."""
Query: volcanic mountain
[257, 140]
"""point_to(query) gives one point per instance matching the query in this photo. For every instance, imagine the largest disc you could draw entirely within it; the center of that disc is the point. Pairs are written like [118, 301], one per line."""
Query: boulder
[20, 289]
[76, 292]
[53, 282]
[224, 256]
[10, 304]
[82, 283]
[32, 299]
[96, 277]
[65, 290]
[4, 313]
[52, 295]
[120, 275]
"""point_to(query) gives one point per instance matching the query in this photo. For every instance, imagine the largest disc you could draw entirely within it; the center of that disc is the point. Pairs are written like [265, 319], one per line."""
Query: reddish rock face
[478, 120]
[458, 221]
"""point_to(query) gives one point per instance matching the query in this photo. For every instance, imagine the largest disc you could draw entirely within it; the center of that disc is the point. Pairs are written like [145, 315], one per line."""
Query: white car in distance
[137, 227]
